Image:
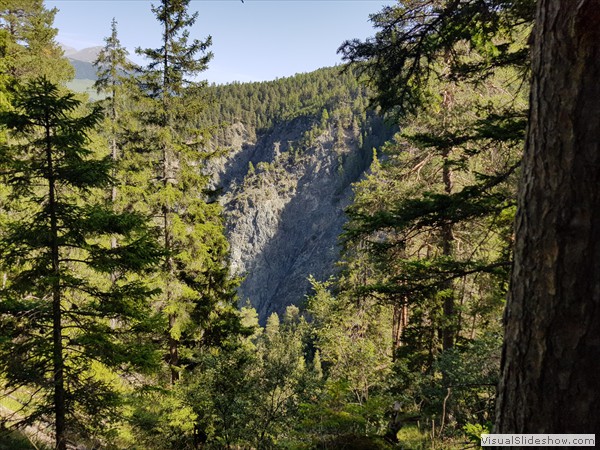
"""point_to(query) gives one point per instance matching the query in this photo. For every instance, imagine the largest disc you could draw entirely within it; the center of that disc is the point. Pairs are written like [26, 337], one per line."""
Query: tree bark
[447, 235]
[550, 381]
[168, 178]
[58, 362]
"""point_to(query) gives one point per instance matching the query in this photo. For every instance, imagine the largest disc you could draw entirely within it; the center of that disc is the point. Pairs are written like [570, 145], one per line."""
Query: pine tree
[436, 220]
[195, 280]
[57, 307]
[31, 50]
[449, 149]
[114, 80]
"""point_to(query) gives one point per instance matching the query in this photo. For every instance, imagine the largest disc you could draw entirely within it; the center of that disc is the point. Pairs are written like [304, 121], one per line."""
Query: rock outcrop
[291, 151]
[284, 200]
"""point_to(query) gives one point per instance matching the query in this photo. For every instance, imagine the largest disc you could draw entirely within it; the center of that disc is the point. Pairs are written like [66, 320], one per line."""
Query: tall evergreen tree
[436, 66]
[31, 50]
[112, 68]
[114, 80]
[426, 57]
[57, 308]
[195, 280]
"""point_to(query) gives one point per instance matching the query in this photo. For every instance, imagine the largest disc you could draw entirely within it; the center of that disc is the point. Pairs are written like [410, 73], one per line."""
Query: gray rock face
[284, 199]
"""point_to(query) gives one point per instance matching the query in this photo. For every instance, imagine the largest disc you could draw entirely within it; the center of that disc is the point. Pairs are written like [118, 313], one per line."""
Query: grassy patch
[411, 437]
[16, 440]
[84, 87]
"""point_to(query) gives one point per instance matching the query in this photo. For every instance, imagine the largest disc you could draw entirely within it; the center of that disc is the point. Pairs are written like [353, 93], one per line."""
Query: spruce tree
[112, 68]
[114, 80]
[31, 50]
[195, 280]
[439, 59]
[57, 306]
[440, 239]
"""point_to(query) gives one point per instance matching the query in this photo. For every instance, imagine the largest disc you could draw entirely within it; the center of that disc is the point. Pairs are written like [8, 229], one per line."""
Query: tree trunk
[550, 381]
[173, 351]
[447, 234]
[168, 177]
[114, 156]
[57, 345]
[399, 323]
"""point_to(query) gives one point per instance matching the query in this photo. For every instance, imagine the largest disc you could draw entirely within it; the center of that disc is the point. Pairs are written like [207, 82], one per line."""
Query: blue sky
[252, 41]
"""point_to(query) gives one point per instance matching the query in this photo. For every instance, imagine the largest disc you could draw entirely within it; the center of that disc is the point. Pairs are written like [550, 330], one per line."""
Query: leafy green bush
[473, 431]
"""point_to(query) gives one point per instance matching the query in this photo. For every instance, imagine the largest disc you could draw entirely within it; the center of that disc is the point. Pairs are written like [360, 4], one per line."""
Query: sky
[256, 40]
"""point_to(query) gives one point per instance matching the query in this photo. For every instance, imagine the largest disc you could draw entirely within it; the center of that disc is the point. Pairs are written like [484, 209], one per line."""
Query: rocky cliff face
[285, 195]
[293, 148]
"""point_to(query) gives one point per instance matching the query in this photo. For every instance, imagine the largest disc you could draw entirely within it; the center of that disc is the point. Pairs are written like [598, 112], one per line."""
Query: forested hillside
[315, 262]
[291, 150]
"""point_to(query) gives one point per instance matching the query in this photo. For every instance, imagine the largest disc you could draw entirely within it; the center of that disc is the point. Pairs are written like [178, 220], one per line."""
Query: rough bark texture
[58, 361]
[449, 330]
[551, 360]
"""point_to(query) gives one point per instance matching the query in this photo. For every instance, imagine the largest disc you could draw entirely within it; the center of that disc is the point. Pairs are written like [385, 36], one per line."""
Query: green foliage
[474, 431]
[63, 322]
[465, 394]
[198, 293]
[263, 105]
[477, 37]
[355, 353]
[160, 419]
[248, 391]
[29, 47]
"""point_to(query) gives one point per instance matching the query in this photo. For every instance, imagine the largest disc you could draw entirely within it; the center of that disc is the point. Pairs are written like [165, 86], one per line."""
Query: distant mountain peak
[82, 60]
[89, 54]
[68, 50]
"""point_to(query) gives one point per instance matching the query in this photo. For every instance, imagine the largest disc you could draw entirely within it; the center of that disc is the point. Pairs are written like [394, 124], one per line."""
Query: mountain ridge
[83, 61]
[294, 148]
[88, 54]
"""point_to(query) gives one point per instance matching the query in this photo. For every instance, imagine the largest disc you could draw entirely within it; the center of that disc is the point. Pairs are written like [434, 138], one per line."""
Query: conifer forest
[398, 252]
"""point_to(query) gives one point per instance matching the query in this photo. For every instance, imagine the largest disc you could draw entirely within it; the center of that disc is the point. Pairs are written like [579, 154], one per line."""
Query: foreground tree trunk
[57, 326]
[550, 379]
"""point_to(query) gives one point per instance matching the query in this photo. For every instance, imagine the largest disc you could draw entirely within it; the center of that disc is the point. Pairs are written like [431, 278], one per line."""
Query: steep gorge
[286, 184]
